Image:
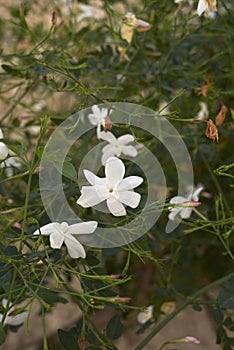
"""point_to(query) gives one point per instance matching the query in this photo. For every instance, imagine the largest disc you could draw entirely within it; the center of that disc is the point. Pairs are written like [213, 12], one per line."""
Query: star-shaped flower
[3, 148]
[113, 188]
[117, 146]
[184, 210]
[206, 6]
[12, 317]
[62, 232]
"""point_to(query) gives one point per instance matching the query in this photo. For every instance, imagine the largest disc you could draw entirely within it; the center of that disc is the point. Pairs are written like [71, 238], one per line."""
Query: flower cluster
[114, 189]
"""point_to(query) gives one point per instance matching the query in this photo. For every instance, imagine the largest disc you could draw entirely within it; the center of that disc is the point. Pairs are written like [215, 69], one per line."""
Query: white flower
[113, 189]
[204, 112]
[12, 319]
[184, 211]
[117, 146]
[145, 316]
[3, 148]
[63, 232]
[206, 6]
[98, 117]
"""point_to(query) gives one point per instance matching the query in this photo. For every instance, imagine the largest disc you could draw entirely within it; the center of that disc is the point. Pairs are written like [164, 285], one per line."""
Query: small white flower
[206, 6]
[113, 189]
[98, 118]
[3, 148]
[12, 319]
[204, 112]
[63, 232]
[183, 211]
[145, 316]
[117, 146]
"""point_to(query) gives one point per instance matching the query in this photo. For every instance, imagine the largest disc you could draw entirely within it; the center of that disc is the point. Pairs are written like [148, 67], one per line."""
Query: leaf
[69, 171]
[204, 89]
[68, 340]
[51, 297]
[127, 32]
[225, 298]
[114, 328]
[212, 131]
[2, 334]
[221, 115]
[12, 70]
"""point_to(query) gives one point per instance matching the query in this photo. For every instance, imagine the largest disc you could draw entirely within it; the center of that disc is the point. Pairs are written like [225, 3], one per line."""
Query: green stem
[182, 306]
[217, 234]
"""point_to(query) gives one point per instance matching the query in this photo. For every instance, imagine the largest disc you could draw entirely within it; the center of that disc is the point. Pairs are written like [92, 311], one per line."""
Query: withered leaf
[221, 115]
[108, 124]
[203, 90]
[212, 131]
[127, 32]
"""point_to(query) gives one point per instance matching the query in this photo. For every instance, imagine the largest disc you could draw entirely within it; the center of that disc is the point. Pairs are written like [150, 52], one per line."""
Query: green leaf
[68, 340]
[69, 171]
[225, 298]
[11, 70]
[2, 334]
[51, 297]
[114, 328]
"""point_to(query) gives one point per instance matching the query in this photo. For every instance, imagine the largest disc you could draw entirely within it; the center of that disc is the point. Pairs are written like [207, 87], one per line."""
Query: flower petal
[92, 195]
[195, 195]
[56, 240]
[5, 304]
[173, 213]
[107, 136]
[185, 212]
[201, 7]
[178, 200]
[48, 229]
[17, 319]
[130, 198]
[107, 152]
[74, 247]
[93, 179]
[1, 134]
[116, 208]
[82, 228]
[3, 151]
[129, 151]
[129, 183]
[114, 171]
[124, 139]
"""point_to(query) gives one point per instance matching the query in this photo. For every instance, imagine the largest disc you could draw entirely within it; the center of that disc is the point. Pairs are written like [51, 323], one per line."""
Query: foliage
[53, 65]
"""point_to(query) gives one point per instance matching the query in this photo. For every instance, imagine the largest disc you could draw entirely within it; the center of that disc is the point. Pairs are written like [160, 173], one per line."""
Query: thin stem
[182, 306]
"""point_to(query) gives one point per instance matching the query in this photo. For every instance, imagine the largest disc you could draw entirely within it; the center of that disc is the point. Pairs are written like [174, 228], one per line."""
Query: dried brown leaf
[212, 131]
[168, 307]
[221, 115]
[127, 32]
[203, 90]
[108, 124]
